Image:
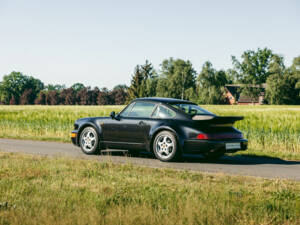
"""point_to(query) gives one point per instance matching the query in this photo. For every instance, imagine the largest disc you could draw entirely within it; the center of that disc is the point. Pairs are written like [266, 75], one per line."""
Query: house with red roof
[234, 95]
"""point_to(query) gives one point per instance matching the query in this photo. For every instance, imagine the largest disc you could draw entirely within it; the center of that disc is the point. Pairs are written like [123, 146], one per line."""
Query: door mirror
[113, 115]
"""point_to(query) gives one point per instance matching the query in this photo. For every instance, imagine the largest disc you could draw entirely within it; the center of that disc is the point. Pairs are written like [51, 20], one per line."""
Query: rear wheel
[89, 141]
[165, 146]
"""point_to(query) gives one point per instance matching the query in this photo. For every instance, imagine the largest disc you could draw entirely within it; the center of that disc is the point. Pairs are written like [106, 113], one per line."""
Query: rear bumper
[193, 146]
[74, 138]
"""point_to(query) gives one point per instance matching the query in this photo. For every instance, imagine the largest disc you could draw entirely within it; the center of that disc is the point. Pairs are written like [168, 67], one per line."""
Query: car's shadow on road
[241, 160]
[227, 159]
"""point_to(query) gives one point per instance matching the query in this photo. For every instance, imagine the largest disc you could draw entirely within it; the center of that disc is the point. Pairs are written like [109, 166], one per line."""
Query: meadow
[271, 130]
[41, 190]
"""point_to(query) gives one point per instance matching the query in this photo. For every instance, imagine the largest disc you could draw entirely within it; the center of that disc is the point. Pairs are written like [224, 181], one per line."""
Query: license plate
[233, 145]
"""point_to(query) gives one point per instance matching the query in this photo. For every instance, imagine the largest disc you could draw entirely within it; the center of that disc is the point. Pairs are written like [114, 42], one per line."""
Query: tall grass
[46, 122]
[271, 130]
[37, 190]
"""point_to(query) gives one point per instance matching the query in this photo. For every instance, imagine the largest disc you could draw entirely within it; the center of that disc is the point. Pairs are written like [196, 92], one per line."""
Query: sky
[98, 43]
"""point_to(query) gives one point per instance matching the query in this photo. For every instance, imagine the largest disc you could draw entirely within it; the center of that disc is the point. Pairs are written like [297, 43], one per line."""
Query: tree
[210, 77]
[136, 82]
[148, 85]
[14, 84]
[232, 76]
[120, 86]
[210, 85]
[295, 69]
[62, 96]
[253, 70]
[95, 94]
[27, 98]
[67, 97]
[119, 96]
[104, 97]
[70, 97]
[12, 101]
[78, 87]
[52, 97]
[55, 87]
[254, 67]
[85, 96]
[176, 77]
[143, 82]
[293, 79]
[276, 83]
[41, 99]
[282, 83]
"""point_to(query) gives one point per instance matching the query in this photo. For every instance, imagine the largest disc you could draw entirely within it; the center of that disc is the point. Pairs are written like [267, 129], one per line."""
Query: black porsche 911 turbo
[165, 126]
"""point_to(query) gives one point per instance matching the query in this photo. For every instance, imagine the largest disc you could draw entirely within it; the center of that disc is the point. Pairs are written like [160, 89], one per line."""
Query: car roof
[164, 100]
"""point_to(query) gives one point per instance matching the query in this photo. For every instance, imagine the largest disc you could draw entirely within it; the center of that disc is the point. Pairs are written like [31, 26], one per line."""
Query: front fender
[90, 124]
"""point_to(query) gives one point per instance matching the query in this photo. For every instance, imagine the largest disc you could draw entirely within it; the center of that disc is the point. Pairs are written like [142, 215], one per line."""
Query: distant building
[234, 95]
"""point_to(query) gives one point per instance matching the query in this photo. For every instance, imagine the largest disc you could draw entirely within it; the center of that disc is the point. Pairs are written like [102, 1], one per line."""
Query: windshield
[191, 109]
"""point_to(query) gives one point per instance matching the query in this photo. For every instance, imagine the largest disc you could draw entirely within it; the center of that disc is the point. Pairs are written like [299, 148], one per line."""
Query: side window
[142, 109]
[163, 112]
[127, 110]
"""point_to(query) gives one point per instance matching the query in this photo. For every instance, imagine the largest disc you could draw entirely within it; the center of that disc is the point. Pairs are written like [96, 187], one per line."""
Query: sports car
[166, 127]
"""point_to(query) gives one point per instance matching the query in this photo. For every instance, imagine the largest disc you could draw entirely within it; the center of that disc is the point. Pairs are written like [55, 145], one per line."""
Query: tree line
[175, 78]
[19, 89]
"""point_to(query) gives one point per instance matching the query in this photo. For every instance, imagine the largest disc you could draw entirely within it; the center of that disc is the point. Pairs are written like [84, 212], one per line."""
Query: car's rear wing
[217, 120]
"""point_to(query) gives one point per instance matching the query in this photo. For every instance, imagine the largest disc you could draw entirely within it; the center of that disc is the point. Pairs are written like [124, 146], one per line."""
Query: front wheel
[89, 141]
[165, 146]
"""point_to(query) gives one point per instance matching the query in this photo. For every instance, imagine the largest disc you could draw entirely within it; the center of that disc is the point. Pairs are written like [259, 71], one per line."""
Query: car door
[131, 127]
[113, 129]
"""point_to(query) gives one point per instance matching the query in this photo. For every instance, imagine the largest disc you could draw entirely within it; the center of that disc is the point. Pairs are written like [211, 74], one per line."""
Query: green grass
[271, 130]
[40, 190]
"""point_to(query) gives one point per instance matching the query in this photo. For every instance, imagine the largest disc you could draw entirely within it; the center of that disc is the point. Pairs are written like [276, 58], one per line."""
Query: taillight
[220, 136]
[202, 136]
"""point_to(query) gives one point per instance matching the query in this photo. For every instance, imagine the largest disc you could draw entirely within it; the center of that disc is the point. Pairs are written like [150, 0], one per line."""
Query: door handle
[142, 123]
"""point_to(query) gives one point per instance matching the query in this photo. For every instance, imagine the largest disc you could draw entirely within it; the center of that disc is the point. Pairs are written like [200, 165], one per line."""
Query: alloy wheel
[164, 146]
[88, 140]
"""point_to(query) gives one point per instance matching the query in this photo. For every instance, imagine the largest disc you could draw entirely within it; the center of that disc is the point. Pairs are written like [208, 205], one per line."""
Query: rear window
[191, 109]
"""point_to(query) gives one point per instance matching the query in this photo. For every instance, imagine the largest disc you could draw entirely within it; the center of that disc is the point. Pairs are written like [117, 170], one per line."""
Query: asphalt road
[266, 167]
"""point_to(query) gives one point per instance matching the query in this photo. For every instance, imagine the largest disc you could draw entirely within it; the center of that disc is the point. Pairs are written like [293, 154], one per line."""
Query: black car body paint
[133, 132]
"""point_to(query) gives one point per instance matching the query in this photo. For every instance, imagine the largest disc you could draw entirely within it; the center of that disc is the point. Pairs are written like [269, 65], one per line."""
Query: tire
[89, 141]
[213, 155]
[165, 146]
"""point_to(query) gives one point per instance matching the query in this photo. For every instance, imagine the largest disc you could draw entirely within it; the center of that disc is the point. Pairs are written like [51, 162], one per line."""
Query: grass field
[271, 130]
[39, 190]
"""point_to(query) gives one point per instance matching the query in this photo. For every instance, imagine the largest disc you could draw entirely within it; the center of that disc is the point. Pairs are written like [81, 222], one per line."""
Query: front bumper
[74, 138]
[194, 146]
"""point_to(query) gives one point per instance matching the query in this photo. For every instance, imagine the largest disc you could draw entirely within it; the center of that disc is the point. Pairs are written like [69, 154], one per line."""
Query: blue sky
[98, 43]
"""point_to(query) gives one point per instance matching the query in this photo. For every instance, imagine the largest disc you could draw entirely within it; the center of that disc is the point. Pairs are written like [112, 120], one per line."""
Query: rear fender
[153, 133]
